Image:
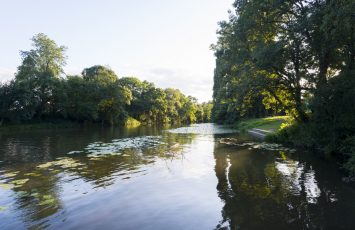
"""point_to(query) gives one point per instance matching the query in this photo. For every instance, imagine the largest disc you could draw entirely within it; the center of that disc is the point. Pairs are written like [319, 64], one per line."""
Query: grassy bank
[268, 123]
[310, 135]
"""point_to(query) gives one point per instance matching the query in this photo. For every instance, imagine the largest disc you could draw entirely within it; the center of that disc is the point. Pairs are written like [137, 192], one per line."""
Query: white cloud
[6, 74]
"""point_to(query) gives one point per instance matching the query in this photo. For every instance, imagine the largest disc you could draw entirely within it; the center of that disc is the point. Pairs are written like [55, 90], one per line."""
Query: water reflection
[268, 189]
[32, 185]
[205, 129]
[149, 178]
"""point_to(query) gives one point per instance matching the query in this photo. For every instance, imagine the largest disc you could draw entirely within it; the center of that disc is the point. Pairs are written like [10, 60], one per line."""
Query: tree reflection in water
[269, 189]
[34, 189]
[93, 179]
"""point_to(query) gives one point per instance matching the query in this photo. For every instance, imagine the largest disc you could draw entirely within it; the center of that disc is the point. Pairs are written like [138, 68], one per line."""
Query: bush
[131, 122]
[331, 128]
[297, 134]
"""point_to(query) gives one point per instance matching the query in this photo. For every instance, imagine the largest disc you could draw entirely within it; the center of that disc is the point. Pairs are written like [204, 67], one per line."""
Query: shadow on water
[151, 178]
[271, 187]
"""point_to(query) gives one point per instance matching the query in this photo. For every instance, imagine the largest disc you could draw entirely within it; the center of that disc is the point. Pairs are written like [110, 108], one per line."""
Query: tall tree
[40, 71]
[46, 58]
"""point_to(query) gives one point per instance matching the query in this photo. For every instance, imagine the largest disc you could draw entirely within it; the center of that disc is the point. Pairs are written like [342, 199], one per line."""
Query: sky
[166, 42]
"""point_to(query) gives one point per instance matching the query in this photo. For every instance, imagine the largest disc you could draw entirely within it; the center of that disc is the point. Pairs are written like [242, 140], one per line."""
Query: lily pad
[63, 162]
[20, 182]
[45, 165]
[67, 163]
[47, 200]
[32, 174]
[6, 186]
[11, 174]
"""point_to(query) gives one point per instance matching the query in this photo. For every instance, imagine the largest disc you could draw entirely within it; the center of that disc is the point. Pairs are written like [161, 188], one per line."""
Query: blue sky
[162, 41]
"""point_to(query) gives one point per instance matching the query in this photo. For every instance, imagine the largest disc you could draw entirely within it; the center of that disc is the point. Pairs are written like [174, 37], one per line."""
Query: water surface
[199, 177]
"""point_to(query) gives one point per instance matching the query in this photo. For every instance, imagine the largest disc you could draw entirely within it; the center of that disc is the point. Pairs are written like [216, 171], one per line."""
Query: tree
[40, 71]
[293, 57]
[99, 74]
[47, 58]
[105, 99]
[97, 95]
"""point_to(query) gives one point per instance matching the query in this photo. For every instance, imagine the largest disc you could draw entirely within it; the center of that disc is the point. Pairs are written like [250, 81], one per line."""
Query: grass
[268, 123]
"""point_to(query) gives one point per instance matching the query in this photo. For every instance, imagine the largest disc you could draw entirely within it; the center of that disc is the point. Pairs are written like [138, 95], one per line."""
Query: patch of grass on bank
[268, 123]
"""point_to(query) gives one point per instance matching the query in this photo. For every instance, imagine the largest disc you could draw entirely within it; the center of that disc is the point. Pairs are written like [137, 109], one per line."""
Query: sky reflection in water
[200, 177]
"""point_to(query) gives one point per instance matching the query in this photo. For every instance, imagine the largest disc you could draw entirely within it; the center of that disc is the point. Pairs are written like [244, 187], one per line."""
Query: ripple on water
[254, 145]
[206, 129]
[168, 179]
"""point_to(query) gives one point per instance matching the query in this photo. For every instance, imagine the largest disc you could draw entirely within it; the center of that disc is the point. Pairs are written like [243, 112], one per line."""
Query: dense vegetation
[291, 58]
[41, 92]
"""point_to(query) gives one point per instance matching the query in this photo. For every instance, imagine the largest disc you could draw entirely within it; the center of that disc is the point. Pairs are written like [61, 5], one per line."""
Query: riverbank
[61, 124]
[66, 124]
[40, 126]
[261, 127]
[282, 129]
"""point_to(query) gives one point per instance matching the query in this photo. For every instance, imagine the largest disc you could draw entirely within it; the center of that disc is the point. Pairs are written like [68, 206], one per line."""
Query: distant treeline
[39, 92]
[291, 57]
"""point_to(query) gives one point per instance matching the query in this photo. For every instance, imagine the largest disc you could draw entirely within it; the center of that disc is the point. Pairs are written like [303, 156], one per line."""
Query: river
[203, 176]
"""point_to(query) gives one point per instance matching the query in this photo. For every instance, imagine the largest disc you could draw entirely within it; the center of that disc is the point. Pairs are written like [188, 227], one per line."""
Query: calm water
[201, 177]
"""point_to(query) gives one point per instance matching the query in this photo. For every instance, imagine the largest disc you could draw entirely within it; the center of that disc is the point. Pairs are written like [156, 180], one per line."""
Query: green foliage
[37, 84]
[332, 125]
[334, 109]
[290, 57]
[99, 74]
[80, 103]
[46, 59]
[334, 117]
[153, 105]
[131, 122]
[297, 134]
[39, 93]
[204, 112]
